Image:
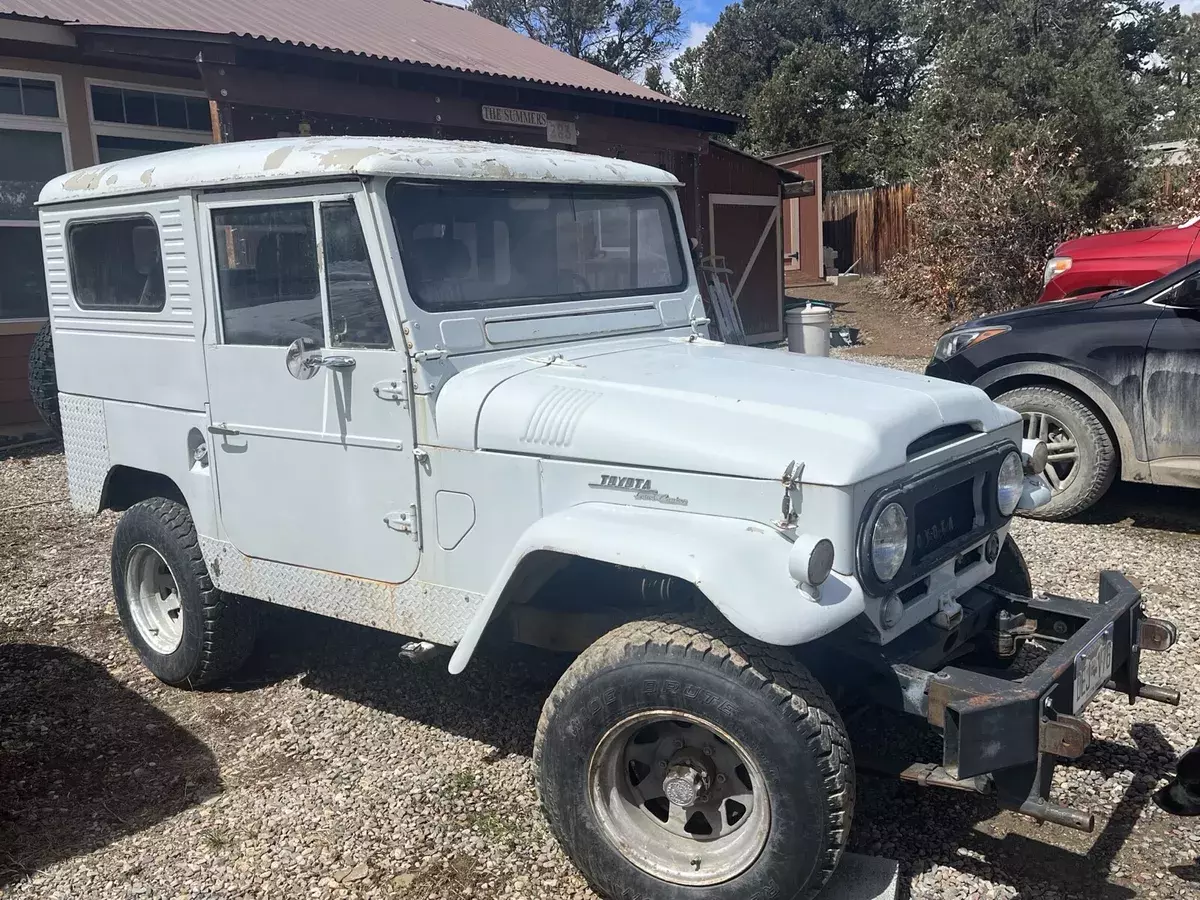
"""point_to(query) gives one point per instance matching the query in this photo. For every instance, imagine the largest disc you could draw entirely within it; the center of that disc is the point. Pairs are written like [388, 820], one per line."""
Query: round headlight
[889, 541]
[1009, 483]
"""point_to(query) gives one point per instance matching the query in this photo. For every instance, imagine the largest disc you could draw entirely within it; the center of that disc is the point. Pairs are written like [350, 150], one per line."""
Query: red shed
[803, 217]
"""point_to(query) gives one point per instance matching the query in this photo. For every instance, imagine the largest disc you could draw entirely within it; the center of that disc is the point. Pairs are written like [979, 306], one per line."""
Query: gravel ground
[333, 769]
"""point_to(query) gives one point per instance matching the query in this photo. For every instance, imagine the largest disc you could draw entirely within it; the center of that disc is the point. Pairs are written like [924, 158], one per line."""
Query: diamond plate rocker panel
[414, 609]
[85, 439]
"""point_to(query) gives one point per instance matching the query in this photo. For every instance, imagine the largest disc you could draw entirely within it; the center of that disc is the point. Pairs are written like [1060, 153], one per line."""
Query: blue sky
[699, 15]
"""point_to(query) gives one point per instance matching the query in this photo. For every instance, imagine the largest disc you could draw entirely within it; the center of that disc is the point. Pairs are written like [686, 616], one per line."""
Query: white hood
[667, 403]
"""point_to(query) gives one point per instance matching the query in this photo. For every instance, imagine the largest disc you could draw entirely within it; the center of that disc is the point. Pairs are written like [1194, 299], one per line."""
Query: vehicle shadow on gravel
[1146, 506]
[1038, 861]
[21, 450]
[496, 701]
[84, 761]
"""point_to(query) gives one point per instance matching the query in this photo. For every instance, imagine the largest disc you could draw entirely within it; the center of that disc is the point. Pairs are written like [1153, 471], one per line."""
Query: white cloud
[1185, 6]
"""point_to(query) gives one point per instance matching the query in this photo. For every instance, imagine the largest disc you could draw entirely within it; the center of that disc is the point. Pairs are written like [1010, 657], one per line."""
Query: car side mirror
[303, 358]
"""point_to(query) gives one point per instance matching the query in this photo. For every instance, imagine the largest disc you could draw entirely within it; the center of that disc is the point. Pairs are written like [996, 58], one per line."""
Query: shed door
[745, 229]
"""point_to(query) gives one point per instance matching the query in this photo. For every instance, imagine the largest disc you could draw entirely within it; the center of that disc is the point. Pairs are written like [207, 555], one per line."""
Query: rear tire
[655, 688]
[187, 632]
[1058, 413]
[43, 382]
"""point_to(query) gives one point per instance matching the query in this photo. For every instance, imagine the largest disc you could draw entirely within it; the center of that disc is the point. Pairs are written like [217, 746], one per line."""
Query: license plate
[1093, 668]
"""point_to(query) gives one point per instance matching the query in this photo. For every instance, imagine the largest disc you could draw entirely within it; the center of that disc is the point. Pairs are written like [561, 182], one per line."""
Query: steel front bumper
[1003, 736]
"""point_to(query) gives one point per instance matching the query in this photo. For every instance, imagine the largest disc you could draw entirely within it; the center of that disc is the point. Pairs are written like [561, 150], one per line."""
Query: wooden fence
[867, 226]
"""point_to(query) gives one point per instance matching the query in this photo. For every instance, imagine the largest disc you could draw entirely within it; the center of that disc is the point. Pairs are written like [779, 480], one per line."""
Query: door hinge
[390, 390]
[404, 521]
[435, 353]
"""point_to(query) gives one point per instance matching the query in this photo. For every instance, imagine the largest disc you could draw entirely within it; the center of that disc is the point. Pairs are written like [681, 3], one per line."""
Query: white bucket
[808, 329]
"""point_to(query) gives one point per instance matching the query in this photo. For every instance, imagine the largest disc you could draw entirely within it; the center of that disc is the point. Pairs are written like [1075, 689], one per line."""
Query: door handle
[331, 362]
[221, 428]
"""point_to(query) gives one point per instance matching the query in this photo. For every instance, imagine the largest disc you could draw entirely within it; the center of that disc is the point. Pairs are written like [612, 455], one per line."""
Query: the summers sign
[503, 115]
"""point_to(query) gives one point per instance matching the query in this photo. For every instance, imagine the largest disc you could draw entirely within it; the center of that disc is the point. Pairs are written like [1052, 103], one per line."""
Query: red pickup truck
[1107, 262]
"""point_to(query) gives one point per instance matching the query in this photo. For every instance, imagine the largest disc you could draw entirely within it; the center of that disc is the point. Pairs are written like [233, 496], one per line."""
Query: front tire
[1083, 460]
[692, 763]
[187, 632]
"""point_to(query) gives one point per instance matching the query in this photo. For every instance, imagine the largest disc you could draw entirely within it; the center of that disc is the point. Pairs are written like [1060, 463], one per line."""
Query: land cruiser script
[641, 488]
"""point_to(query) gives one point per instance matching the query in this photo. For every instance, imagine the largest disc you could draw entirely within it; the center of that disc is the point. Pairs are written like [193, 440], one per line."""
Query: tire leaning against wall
[43, 383]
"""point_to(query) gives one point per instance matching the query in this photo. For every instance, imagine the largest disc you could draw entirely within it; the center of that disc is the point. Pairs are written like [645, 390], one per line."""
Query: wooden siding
[869, 226]
[15, 406]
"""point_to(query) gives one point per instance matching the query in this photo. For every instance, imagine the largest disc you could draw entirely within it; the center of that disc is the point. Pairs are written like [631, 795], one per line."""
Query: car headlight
[889, 541]
[953, 343]
[1010, 481]
[1056, 266]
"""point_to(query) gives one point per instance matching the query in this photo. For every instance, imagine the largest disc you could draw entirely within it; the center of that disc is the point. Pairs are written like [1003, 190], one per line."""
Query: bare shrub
[984, 222]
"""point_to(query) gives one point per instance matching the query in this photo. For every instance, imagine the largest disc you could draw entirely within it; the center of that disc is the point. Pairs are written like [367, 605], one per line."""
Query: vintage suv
[445, 389]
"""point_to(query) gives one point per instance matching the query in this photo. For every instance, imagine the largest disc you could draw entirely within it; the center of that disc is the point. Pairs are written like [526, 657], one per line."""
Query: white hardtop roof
[243, 163]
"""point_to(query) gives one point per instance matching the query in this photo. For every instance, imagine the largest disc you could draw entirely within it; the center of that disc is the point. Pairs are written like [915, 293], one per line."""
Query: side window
[356, 317]
[117, 264]
[270, 293]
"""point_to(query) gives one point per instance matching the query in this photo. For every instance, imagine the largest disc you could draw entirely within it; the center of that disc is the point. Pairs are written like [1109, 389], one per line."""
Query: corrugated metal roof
[412, 31]
[291, 159]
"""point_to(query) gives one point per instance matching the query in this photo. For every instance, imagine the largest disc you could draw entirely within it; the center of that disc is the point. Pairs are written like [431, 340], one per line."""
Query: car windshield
[470, 246]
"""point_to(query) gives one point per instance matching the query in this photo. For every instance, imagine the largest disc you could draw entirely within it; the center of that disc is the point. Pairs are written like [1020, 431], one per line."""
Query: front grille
[942, 517]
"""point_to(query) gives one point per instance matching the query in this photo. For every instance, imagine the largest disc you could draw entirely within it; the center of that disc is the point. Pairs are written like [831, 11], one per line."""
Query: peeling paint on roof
[293, 159]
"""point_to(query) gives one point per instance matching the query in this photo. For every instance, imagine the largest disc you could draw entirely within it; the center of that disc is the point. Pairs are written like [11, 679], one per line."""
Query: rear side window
[270, 288]
[117, 264]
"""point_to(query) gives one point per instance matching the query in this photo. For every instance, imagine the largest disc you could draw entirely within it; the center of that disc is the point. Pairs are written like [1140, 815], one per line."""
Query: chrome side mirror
[303, 358]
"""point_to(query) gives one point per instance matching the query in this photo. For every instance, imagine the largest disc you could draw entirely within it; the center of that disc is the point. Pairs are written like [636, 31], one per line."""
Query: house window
[129, 121]
[33, 150]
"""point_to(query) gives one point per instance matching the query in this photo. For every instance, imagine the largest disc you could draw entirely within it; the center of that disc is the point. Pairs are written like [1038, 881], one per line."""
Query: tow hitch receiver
[1003, 736]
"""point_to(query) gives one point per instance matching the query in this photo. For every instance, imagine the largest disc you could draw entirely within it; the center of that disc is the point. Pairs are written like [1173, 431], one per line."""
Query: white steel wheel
[679, 798]
[152, 592]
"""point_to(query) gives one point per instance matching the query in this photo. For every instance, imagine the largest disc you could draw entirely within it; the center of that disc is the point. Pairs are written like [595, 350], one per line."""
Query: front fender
[740, 566]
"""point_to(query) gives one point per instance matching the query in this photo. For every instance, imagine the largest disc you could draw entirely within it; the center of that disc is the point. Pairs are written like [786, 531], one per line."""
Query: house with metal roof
[86, 82]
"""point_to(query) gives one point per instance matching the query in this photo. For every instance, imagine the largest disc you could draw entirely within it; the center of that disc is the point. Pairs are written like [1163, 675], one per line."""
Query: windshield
[470, 246]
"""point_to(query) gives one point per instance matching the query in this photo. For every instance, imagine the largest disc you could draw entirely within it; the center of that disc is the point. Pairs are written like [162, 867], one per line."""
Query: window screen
[469, 246]
[356, 316]
[117, 264]
[267, 277]
[22, 281]
[28, 159]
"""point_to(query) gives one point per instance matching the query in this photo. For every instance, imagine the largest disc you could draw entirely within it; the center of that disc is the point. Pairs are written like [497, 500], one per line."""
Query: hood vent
[939, 437]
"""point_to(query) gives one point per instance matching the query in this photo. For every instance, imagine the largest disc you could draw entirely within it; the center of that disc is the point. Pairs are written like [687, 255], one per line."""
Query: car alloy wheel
[1063, 462]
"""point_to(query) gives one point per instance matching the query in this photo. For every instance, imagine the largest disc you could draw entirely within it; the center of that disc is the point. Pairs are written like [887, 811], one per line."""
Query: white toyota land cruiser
[445, 389]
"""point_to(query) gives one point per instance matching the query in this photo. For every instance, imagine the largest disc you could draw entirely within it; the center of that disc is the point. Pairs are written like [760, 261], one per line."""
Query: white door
[316, 472]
